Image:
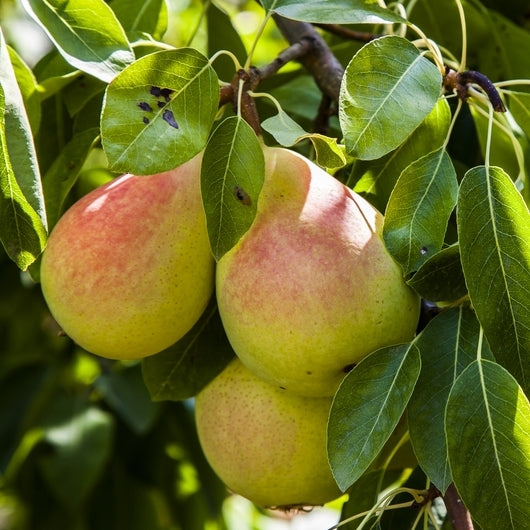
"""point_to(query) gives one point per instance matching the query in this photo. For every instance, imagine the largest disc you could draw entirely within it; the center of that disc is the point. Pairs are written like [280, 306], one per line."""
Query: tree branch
[458, 514]
[319, 59]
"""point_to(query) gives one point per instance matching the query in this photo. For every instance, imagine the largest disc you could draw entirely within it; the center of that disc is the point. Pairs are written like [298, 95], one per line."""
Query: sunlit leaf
[23, 224]
[86, 33]
[375, 179]
[447, 346]
[182, 370]
[488, 438]
[387, 91]
[158, 112]
[494, 235]
[333, 11]
[367, 407]
[287, 132]
[418, 211]
[232, 173]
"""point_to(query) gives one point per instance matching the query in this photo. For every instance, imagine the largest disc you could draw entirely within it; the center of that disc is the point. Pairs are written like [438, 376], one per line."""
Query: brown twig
[459, 515]
[319, 59]
[460, 83]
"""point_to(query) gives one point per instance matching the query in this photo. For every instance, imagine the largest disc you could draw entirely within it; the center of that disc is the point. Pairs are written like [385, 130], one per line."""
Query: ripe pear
[265, 444]
[310, 289]
[128, 268]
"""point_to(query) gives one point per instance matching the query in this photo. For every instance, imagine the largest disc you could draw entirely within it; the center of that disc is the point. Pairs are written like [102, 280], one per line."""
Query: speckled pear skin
[128, 268]
[264, 443]
[310, 289]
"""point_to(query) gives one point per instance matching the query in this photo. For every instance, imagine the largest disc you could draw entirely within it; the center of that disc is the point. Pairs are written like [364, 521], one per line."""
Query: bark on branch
[319, 59]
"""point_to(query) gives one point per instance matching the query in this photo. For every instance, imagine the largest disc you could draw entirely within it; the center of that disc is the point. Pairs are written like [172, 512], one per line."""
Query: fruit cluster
[304, 295]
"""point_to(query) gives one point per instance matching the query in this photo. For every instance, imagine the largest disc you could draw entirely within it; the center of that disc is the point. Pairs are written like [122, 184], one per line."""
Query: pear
[310, 289]
[128, 269]
[264, 443]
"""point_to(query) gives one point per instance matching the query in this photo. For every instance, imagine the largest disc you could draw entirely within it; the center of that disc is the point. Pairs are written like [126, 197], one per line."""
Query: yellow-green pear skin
[128, 268]
[310, 289]
[265, 444]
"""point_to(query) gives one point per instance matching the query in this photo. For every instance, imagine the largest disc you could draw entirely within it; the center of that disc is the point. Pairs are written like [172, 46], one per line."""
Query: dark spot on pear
[242, 196]
[170, 119]
[309, 373]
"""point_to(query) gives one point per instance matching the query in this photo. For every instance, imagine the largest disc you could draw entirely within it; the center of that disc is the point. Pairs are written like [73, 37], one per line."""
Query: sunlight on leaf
[488, 437]
[232, 173]
[86, 33]
[367, 407]
[494, 234]
[418, 211]
[387, 91]
[158, 112]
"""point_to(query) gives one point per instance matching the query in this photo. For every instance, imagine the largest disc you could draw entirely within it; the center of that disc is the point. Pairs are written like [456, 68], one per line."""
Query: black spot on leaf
[160, 104]
[170, 119]
[165, 93]
[242, 196]
[145, 120]
[424, 250]
[145, 106]
[155, 91]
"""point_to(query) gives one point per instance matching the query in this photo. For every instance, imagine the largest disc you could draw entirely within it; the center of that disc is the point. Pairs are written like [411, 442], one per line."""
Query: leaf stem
[464, 34]
[459, 515]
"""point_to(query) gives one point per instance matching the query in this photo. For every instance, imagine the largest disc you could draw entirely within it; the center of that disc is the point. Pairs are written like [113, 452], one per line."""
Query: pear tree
[265, 255]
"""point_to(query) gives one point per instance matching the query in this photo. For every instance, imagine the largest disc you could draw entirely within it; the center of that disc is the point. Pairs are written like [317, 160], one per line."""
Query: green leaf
[86, 33]
[387, 90]
[123, 389]
[141, 16]
[158, 112]
[28, 89]
[333, 11]
[418, 211]
[494, 234]
[375, 179]
[447, 345]
[223, 36]
[488, 438]
[232, 173]
[22, 214]
[287, 132]
[82, 441]
[63, 173]
[367, 407]
[440, 278]
[182, 370]
[283, 128]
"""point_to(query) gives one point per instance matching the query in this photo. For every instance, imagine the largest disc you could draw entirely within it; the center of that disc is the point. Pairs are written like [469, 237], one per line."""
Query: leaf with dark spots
[170, 119]
[145, 120]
